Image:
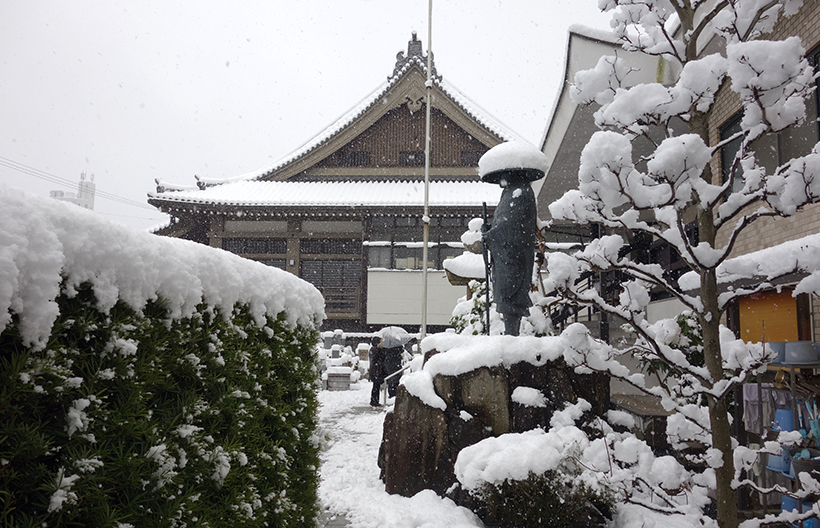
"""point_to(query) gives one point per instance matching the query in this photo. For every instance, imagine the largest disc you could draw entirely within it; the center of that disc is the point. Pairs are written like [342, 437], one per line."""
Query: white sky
[133, 91]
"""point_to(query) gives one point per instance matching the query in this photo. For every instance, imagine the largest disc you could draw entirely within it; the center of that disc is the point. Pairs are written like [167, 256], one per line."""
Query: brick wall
[768, 232]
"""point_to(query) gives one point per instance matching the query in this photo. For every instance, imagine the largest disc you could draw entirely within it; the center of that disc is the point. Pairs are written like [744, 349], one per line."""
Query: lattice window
[331, 246]
[245, 245]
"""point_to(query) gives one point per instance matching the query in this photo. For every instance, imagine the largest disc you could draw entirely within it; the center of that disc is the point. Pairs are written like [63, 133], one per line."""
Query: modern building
[345, 210]
[570, 127]
[84, 197]
[787, 318]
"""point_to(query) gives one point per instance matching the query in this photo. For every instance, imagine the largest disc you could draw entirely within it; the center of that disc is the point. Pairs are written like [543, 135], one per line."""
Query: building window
[812, 114]
[380, 256]
[797, 141]
[448, 251]
[772, 150]
[411, 158]
[274, 263]
[410, 255]
[396, 241]
[334, 273]
[339, 281]
[730, 151]
[331, 246]
[255, 246]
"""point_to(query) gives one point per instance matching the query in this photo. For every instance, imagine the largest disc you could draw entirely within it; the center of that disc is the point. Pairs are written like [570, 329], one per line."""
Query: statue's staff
[486, 255]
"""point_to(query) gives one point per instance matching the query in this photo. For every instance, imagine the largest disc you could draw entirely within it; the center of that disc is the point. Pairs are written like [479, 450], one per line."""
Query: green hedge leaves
[138, 420]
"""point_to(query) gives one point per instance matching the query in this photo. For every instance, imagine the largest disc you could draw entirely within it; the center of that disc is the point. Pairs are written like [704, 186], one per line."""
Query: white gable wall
[583, 52]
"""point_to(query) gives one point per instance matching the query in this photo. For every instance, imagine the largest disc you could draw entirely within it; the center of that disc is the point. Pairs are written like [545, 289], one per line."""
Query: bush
[127, 419]
[470, 316]
[551, 499]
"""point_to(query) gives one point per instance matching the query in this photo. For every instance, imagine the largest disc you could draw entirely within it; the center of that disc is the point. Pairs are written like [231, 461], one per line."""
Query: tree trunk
[710, 325]
[718, 408]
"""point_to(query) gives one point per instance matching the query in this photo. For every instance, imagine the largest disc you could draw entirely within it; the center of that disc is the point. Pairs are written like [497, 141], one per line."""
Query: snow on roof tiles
[339, 193]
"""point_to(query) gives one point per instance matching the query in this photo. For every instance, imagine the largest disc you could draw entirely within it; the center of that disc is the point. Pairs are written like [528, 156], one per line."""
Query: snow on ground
[350, 484]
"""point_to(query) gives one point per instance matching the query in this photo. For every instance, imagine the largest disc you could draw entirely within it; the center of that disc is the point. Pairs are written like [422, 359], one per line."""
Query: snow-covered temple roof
[404, 64]
[470, 107]
[340, 194]
[414, 57]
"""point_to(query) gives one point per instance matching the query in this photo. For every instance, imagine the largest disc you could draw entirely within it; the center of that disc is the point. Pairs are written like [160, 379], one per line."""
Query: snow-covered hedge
[149, 381]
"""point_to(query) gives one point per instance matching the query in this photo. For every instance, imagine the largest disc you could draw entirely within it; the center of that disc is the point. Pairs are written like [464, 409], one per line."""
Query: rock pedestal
[420, 443]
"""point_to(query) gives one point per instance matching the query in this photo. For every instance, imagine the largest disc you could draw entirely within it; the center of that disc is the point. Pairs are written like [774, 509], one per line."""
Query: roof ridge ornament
[415, 55]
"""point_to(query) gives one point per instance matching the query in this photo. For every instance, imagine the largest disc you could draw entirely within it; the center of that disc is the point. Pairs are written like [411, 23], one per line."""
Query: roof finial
[415, 54]
[414, 47]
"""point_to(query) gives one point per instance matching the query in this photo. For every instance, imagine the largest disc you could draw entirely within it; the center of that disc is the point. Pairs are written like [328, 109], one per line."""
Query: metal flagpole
[426, 218]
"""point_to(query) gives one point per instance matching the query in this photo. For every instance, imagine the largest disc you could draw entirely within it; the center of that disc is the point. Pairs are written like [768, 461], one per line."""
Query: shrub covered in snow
[551, 499]
[149, 381]
[537, 478]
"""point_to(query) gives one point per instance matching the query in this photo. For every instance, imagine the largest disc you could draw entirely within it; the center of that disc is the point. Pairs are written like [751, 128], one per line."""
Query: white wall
[657, 310]
[665, 309]
[394, 297]
[583, 52]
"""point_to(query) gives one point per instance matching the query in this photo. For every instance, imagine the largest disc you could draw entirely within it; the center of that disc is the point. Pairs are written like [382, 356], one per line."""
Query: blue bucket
[810, 523]
[780, 348]
[783, 420]
[781, 462]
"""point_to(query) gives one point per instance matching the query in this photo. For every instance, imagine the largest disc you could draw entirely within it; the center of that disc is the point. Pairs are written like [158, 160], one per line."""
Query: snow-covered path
[350, 485]
[353, 496]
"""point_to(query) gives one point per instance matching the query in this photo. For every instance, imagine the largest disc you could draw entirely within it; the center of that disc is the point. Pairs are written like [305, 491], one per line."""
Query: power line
[37, 173]
[160, 215]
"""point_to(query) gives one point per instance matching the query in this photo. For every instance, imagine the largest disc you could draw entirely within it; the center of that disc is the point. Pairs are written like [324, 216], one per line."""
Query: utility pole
[426, 218]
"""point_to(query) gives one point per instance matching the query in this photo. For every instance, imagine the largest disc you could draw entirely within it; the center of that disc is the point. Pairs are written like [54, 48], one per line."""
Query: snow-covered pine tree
[658, 195]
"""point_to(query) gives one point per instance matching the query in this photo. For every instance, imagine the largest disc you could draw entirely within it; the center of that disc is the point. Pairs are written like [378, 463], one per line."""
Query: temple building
[345, 210]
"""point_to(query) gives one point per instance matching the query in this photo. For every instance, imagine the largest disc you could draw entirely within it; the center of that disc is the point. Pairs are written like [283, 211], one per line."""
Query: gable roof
[406, 85]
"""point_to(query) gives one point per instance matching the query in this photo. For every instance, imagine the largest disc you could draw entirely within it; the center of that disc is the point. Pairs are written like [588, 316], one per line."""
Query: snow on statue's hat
[512, 159]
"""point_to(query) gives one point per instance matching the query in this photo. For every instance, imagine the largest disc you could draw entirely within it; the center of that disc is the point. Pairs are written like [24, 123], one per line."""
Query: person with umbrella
[393, 339]
[377, 371]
